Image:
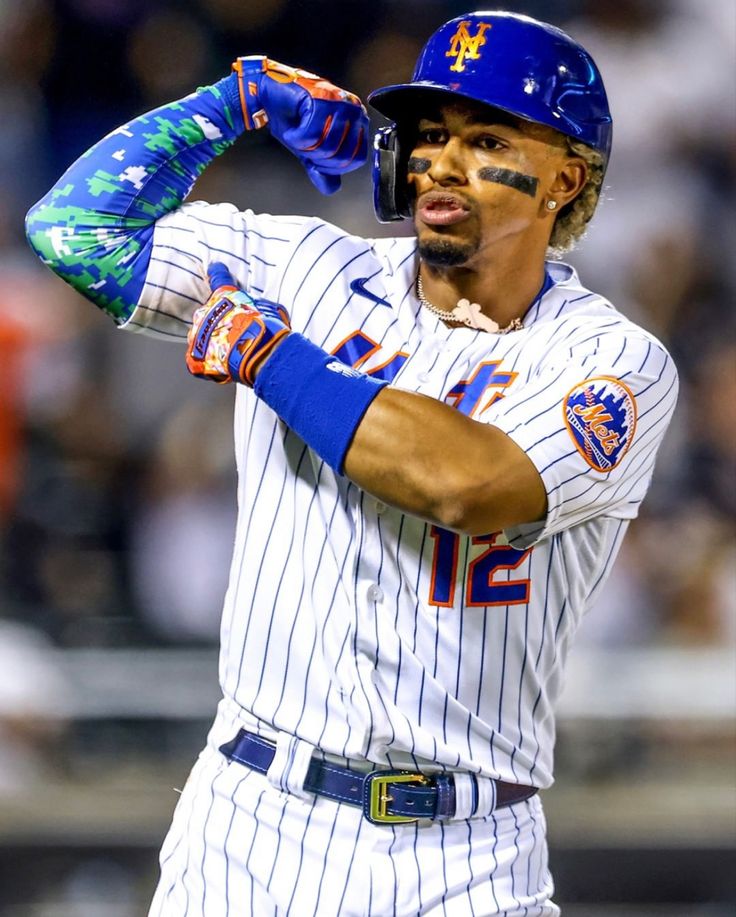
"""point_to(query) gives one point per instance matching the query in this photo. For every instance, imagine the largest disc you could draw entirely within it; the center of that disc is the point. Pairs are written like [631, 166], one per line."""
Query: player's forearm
[94, 228]
[413, 452]
[427, 459]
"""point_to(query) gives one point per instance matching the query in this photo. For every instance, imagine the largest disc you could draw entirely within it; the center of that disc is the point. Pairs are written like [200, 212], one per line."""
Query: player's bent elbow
[451, 514]
[32, 232]
[485, 506]
[467, 509]
[47, 239]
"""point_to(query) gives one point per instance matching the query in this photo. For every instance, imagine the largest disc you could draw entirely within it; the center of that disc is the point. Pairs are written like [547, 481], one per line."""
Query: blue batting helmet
[511, 62]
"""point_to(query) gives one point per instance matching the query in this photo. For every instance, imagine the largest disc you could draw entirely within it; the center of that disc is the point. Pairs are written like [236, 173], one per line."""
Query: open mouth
[438, 209]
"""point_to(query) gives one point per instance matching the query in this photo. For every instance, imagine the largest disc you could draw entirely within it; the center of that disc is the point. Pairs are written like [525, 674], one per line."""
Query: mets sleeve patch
[600, 414]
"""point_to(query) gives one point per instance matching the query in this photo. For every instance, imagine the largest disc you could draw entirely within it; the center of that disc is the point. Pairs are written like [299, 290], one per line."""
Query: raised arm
[413, 452]
[94, 228]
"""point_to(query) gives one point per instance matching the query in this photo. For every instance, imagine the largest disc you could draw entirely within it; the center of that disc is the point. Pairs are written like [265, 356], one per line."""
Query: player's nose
[446, 166]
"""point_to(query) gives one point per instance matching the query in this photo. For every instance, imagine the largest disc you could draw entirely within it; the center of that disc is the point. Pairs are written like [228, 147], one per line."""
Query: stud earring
[551, 205]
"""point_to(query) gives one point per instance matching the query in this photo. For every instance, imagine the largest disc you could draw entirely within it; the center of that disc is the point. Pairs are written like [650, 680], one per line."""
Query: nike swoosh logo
[358, 286]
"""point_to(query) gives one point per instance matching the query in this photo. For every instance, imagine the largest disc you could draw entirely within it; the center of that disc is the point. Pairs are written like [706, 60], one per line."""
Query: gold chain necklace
[467, 313]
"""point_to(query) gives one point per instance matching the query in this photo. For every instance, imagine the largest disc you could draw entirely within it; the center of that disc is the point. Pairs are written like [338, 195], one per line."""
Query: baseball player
[440, 443]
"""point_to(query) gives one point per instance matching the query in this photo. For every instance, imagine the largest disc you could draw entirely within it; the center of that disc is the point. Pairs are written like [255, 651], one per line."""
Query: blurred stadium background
[116, 470]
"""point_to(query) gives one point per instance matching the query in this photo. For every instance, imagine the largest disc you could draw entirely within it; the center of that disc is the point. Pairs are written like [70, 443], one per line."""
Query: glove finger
[220, 276]
[325, 130]
[346, 139]
[358, 149]
[350, 155]
[326, 184]
[273, 310]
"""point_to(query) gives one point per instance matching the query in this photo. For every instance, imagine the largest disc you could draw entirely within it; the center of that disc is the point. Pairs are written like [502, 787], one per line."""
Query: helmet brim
[399, 102]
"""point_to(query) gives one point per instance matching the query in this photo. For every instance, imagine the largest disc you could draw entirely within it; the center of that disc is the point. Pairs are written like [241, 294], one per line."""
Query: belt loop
[487, 796]
[288, 770]
[466, 795]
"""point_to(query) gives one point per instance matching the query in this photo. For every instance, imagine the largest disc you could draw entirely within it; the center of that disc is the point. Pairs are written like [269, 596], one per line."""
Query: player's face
[479, 177]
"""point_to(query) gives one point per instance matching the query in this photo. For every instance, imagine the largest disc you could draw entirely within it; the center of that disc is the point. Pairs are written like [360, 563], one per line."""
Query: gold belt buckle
[376, 796]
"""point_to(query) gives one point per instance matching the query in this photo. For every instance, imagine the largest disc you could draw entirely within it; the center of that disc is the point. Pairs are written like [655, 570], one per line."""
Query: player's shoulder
[229, 218]
[310, 236]
[584, 320]
[204, 217]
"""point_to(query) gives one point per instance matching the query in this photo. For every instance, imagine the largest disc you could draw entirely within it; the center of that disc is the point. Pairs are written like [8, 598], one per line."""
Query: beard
[446, 252]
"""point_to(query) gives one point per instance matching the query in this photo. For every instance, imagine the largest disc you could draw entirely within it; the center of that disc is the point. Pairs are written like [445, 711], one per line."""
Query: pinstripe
[534, 850]
[301, 858]
[308, 271]
[444, 867]
[327, 616]
[331, 281]
[170, 857]
[418, 884]
[231, 855]
[503, 673]
[204, 836]
[393, 870]
[184, 884]
[160, 286]
[252, 847]
[646, 356]
[167, 315]
[177, 227]
[224, 251]
[328, 857]
[370, 890]
[621, 353]
[298, 603]
[356, 624]
[522, 668]
[524, 401]
[579, 298]
[543, 632]
[294, 254]
[495, 860]
[471, 874]
[376, 611]
[608, 562]
[349, 870]
[245, 232]
[239, 667]
[517, 853]
[272, 617]
[179, 267]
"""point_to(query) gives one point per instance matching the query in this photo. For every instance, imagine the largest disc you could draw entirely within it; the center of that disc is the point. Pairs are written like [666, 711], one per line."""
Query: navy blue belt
[385, 796]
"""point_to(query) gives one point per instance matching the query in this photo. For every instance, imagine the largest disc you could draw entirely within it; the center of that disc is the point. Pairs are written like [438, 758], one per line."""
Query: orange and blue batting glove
[232, 332]
[324, 126]
[320, 398]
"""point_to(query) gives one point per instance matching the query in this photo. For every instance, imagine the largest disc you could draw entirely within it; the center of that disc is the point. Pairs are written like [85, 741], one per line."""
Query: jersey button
[374, 593]
[424, 377]
[380, 507]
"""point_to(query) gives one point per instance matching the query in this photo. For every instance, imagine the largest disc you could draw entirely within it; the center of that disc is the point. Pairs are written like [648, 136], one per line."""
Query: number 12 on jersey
[481, 587]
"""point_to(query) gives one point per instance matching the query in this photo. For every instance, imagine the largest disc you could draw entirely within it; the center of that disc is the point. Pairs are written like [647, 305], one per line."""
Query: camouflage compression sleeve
[94, 228]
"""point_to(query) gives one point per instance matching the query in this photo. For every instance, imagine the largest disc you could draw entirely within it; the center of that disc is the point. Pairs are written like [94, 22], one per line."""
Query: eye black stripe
[527, 184]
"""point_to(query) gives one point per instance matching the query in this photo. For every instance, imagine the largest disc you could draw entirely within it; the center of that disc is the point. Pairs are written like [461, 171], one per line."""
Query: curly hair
[573, 219]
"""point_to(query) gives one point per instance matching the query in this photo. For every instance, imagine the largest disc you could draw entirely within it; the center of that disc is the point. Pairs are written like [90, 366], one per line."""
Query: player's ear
[569, 181]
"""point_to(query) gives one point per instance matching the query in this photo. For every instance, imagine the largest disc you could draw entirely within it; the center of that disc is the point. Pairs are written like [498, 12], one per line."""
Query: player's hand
[231, 333]
[324, 126]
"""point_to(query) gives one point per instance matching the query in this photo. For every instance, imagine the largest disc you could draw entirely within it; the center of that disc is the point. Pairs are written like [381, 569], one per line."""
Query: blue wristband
[320, 398]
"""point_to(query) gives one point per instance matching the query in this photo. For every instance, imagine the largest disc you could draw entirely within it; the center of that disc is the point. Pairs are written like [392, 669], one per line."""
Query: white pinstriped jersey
[367, 632]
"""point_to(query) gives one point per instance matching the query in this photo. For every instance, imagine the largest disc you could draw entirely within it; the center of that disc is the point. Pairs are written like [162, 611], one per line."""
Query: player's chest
[468, 370]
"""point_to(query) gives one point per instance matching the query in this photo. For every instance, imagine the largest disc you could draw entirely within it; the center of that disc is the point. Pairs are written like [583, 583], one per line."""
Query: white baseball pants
[240, 847]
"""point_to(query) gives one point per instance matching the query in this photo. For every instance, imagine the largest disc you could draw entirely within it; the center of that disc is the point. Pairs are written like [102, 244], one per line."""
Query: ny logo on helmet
[463, 44]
